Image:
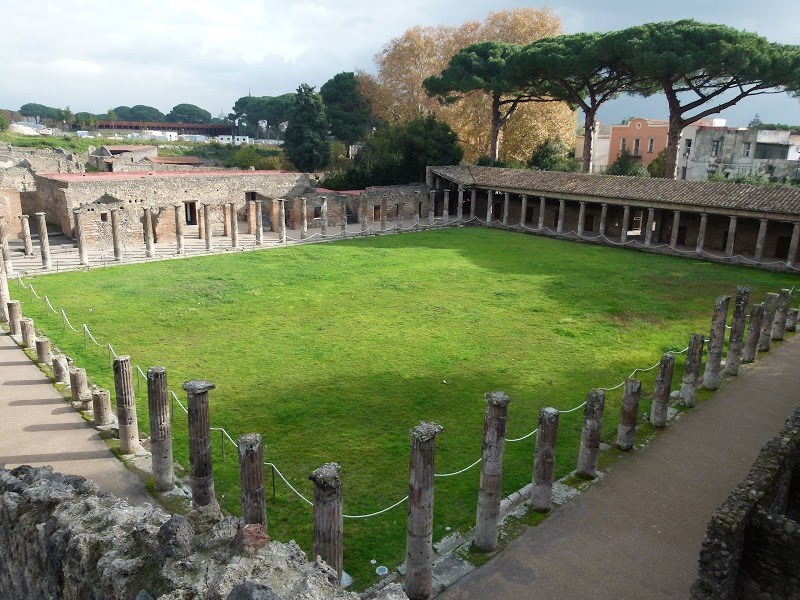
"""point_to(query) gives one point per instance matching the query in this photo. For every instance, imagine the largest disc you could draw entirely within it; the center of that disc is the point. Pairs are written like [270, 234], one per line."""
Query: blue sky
[94, 57]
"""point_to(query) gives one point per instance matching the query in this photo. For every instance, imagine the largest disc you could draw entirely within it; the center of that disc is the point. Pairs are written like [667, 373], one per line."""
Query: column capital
[732, 218]
[41, 214]
[583, 203]
[764, 220]
[23, 217]
[703, 215]
[604, 204]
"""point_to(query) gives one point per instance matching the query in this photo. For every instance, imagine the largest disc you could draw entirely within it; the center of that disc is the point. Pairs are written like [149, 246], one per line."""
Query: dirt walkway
[39, 428]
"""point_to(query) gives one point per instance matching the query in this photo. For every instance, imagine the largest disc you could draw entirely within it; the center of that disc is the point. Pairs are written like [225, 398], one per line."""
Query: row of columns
[648, 241]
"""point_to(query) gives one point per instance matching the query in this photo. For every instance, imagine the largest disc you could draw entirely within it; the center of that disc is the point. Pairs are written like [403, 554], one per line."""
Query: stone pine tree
[702, 69]
[306, 140]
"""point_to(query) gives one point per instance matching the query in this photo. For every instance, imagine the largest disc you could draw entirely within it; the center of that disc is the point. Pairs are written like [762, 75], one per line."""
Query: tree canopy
[553, 155]
[306, 140]
[140, 112]
[252, 110]
[187, 113]
[349, 115]
[397, 94]
[38, 110]
[399, 154]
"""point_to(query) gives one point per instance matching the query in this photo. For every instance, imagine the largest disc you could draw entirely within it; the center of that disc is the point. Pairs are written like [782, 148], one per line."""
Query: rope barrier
[376, 513]
[524, 437]
[464, 470]
[91, 337]
[291, 487]
[50, 306]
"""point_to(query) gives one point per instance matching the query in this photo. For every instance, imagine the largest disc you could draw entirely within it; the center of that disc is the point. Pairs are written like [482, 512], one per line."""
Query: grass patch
[334, 351]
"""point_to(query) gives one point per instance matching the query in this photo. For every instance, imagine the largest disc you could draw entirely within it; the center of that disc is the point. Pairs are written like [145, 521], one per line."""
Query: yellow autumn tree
[396, 93]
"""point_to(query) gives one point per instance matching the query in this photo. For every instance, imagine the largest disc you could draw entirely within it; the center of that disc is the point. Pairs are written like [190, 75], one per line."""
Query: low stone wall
[752, 545]
[60, 539]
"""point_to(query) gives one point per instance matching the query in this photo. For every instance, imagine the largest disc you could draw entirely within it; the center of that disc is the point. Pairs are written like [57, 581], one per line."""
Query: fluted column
[603, 218]
[626, 218]
[26, 235]
[731, 236]
[160, 429]
[251, 479]
[201, 465]
[179, 222]
[260, 221]
[126, 406]
[328, 522]
[676, 225]
[581, 218]
[80, 238]
[234, 225]
[762, 235]
[207, 222]
[562, 206]
[648, 233]
[44, 241]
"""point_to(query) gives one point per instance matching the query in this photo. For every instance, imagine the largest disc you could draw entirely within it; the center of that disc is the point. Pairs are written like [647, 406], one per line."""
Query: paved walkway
[637, 533]
[39, 428]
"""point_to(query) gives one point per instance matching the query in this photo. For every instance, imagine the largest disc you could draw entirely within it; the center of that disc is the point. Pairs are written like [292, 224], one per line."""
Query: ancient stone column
[250, 211]
[581, 218]
[44, 355]
[544, 460]
[676, 226]
[343, 209]
[160, 429]
[328, 525]
[793, 245]
[562, 205]
[753, 333]
[101, 407]
[8, 267]
[590, 434]
[419, 534]
[432, 208]
[26, 235]
[148, 233]
[446, 207]
[691, 370]
[626, 217]
[781, 310]
[234, 225]
[731, 236]
[523, 210]
[762, 235]
[226, 220]
[79, 386]
[116, 232]
[648, 233]
[208, 228]
[28, 333]
[364, 217]
[767, 323]
[179, 220]
[260, 222]
[251, 479]
[716, 340]
[60, 369]
[303, 218]
[384, 208]
[701, 233]
[44, 241]
[5, 297]
[603, 218]
[736, 339]
[489, 206]
[659, 410]
[791, 319]
[506, 207]
[473, 199]
[417, 209]
[629, 414]
[282, 219]
[14, 316]
[200, 460]
[80, 239]
[460, 205]
[126, 406]
[491, 486]
[324, 215]
[542, 207]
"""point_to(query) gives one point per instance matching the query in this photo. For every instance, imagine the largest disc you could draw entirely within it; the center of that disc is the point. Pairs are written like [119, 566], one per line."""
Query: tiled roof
[700, 194]
[121, 175]
[175, 160]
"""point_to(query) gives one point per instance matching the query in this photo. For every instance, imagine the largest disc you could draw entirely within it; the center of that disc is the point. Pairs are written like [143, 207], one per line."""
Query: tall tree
[306, 141]
[396, 94]
[188, 113]
[579, 69]
[139, 112]
[480, 68]
[348, 113]
[252, 110]
[39, 111]
[703, 69]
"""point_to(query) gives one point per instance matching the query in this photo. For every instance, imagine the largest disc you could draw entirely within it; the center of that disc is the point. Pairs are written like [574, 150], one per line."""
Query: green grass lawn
[334, 351]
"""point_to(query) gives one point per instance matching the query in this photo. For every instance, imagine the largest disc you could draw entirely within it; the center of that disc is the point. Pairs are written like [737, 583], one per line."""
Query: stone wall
[10, 210]
[17, 165]
[752, 546]
[57, 197]
[60, 539]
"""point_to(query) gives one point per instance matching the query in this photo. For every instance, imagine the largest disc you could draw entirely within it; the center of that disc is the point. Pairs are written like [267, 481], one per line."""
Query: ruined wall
[752, 545]
[18, 165]
[10, 210]
[60, 539]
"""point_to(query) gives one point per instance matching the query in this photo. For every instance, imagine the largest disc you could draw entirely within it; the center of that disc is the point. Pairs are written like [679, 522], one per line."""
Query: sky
[92, 57]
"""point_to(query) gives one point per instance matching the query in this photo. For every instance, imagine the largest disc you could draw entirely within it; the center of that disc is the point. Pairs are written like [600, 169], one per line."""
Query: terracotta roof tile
[699, 194]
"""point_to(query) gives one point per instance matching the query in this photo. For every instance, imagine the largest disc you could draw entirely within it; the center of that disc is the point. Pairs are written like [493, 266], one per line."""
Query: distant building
[738, 152]
[601, 145]
[645, 138]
